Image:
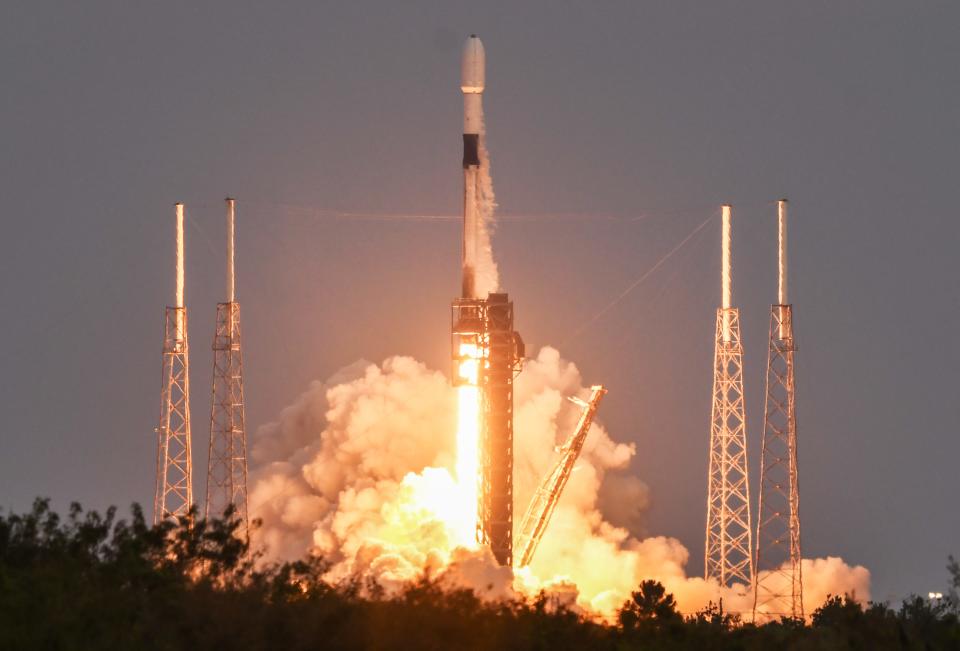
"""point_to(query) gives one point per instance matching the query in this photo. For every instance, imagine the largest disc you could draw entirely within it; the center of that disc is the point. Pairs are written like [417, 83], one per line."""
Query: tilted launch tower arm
[545, 499]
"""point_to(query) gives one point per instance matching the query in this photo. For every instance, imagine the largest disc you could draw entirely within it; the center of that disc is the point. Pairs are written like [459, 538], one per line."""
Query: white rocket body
[472, 79]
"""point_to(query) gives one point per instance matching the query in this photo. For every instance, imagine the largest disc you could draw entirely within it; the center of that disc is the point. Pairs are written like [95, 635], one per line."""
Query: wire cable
[639, 281]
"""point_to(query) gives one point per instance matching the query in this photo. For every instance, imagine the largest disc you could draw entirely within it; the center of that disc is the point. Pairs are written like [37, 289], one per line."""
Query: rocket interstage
[471, 83]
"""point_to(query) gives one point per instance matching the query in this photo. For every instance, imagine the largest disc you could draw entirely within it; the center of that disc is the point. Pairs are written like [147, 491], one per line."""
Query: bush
[91, 581]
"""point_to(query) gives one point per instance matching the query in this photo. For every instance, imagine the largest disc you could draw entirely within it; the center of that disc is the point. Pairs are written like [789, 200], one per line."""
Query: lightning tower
[227, 459]
[174, 487]
[728, 551]
[779, 589]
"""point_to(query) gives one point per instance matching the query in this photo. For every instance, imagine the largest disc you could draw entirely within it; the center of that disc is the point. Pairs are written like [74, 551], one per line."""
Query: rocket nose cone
[472, 66]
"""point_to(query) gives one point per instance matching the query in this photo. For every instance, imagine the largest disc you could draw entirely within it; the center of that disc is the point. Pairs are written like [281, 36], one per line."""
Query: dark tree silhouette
[92, 581]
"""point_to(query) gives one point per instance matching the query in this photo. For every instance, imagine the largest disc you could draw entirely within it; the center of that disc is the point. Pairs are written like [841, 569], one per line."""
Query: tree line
[94, 581]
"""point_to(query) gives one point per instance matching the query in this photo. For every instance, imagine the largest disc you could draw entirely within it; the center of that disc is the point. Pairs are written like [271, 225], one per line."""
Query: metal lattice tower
[227, 458]
[547, 496]
[498, 368]
[486, 326]
[779, 586]
[174, 483]
[728, 554]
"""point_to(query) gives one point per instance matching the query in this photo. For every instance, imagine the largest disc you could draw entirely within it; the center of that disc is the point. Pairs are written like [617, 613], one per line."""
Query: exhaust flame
[364, 469]
[468, 443]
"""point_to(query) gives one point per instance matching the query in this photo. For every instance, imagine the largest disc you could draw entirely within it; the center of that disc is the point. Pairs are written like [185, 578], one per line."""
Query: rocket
[471, 83]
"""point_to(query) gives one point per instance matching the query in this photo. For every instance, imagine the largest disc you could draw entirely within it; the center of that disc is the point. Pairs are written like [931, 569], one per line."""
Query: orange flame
[468, 443]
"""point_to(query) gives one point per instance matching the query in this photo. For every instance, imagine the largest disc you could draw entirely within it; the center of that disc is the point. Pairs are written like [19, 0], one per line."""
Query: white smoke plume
[487, 276]
[360, 468]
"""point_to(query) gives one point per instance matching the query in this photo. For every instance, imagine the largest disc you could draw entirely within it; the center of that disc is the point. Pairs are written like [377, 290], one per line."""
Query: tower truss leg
[728, 556]
[499, 367]
[174, 487]
[227, 459]
[779, 589]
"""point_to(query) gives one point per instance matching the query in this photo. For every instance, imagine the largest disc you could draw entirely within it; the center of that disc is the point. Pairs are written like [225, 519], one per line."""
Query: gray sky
[600, 112]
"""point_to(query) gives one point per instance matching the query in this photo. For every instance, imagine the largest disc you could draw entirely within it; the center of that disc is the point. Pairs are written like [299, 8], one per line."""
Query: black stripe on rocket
[471, 150]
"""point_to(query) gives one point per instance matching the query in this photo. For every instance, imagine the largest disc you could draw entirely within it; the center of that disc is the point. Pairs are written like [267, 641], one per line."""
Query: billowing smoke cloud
[360, 468]
[487, 276]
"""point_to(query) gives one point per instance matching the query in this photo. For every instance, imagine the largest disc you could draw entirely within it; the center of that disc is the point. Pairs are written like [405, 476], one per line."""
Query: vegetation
[90, 581]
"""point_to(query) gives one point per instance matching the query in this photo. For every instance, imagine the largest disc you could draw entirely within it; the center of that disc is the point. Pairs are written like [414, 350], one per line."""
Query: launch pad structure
[485, 326]
[547, 495]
